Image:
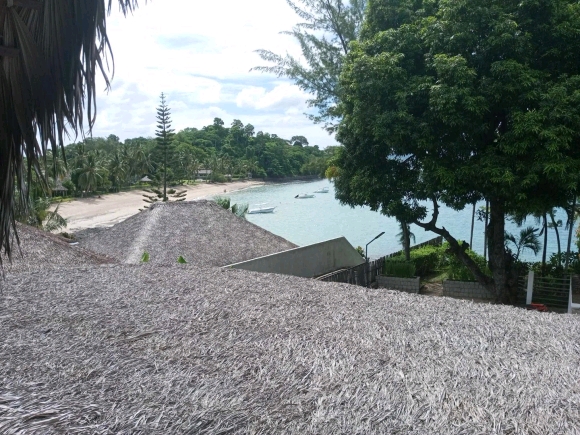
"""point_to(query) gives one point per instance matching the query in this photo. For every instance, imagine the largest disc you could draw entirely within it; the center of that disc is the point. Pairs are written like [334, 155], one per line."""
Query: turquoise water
[306, 221]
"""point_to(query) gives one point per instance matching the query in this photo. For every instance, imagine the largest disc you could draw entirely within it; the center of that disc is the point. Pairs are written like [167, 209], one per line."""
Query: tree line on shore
[221, 153]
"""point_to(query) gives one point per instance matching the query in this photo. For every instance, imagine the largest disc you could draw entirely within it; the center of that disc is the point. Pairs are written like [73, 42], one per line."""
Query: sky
[200, 54]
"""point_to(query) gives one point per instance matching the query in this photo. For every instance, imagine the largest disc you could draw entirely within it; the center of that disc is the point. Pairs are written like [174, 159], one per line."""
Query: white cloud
[200, 55]
[283, 96]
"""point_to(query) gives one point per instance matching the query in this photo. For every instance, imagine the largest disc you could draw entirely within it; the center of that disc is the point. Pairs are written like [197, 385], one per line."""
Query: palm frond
[49, 58]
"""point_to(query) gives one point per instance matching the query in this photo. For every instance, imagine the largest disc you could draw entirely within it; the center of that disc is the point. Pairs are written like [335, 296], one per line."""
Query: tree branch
[459, 250]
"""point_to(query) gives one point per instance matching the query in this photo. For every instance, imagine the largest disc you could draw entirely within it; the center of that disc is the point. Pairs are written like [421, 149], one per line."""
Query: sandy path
[116, 207]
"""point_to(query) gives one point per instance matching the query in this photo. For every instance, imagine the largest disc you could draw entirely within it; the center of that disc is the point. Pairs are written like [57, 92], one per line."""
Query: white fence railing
[556, 293]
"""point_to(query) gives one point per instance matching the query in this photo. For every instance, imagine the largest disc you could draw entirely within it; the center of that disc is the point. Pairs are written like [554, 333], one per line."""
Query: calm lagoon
[306, 221]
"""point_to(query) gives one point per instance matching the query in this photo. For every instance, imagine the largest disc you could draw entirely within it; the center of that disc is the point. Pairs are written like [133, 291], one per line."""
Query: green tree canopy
[455, 101]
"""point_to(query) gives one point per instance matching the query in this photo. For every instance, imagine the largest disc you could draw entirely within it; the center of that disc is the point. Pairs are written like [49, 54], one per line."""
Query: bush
[217, 178]
[560, 260]
[427, 259]
[457, 271]
[399, 269]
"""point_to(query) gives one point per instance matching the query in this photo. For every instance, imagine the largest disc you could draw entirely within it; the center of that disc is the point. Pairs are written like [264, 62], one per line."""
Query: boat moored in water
[304, 195]
[261, 209]
[322, 190]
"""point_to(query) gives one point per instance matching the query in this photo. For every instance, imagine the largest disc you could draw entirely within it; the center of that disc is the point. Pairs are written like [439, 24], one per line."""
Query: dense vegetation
[446, 102]
[429, 261]
[107, 164]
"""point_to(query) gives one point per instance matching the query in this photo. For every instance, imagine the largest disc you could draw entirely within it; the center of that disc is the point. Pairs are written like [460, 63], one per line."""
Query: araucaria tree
[450, 102]
[324, 37]
[164, 135]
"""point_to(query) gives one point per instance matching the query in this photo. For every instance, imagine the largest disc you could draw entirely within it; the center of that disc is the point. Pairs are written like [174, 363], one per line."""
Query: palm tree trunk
[485, 229]
[571, 214]
[545, 240]
[555, 225]
[406, 240]
[472, 225]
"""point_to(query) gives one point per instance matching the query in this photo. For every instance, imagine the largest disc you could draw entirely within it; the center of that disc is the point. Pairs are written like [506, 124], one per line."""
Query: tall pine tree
[164, 135]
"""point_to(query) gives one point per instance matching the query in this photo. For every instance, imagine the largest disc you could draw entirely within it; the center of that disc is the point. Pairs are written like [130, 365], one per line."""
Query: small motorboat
[261, 209]
[304, 195]
[323, 190]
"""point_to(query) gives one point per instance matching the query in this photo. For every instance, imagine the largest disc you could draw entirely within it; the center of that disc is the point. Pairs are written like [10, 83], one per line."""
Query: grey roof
[200, 231]
[181, 349]
[42, 250]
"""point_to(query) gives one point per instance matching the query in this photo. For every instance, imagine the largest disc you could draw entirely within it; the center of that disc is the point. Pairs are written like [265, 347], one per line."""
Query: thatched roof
[41, 250]
[181, 349]
[200, 231]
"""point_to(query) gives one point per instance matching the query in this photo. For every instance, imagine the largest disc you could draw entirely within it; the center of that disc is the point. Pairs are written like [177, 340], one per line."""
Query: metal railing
[554, 292]
[366, 273]
[363, 274]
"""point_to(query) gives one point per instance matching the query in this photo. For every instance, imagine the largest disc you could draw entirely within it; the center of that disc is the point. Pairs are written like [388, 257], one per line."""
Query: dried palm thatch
[40, 250]
[175, 349]
[50, 51]
[201, 231]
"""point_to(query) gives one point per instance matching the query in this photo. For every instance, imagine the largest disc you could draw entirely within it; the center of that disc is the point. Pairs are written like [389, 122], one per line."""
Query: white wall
[307, 261]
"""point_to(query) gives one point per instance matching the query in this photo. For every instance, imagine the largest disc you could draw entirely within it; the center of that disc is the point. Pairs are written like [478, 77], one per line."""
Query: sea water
[312, 220]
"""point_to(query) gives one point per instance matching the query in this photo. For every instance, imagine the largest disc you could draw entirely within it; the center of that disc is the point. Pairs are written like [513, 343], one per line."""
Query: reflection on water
[311, 220]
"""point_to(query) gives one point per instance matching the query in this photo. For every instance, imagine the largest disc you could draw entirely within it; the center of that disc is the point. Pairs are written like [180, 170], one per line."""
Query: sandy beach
[113, 208]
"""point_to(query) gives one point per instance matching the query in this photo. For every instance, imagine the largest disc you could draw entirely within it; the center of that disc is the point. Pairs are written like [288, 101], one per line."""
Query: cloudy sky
[200, 54]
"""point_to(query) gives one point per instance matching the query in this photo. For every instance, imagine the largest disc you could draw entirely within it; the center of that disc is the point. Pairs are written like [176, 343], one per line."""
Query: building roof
[200, 231]
[40, 250]
[184, 349]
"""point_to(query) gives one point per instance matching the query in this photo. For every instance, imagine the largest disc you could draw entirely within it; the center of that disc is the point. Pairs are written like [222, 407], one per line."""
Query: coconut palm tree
[50, 53]
[141, 161]
[527, 239]
[91, 173]
[55, 166]
[118, 169]
[405, 236]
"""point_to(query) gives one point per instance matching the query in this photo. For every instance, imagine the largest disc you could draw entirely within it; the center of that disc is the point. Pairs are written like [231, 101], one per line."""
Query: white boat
[304, 195]
[261, 209]
[323, 190]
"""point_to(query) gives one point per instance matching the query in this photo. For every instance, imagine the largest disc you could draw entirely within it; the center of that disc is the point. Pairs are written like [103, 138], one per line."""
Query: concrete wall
[409, 285]
[307, 261]
[465, 289]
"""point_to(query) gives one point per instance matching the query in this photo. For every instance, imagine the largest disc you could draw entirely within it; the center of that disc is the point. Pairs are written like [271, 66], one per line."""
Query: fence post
[530, 287]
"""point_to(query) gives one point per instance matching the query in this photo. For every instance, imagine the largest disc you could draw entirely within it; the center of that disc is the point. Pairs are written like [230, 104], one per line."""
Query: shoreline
[112, 208]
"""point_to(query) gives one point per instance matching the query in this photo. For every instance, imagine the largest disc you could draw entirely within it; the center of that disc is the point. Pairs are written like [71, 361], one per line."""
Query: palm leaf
[49, 57]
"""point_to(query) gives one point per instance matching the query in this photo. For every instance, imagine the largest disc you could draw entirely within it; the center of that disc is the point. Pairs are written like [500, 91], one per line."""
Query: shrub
[217, 178]
[426, 259]
[457, 271]
[399, 269]
[560, 260]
